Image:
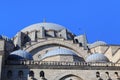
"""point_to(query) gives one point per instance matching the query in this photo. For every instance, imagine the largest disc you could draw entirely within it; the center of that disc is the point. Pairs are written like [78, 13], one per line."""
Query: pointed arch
[70, 77]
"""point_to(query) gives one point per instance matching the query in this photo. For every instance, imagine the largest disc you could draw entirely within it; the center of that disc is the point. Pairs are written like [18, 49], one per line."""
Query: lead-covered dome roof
[20, 55]
[47, 26]
[97, 57]
[59, 51]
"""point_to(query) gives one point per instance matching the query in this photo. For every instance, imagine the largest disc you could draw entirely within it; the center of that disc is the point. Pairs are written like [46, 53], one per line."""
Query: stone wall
[58, 74]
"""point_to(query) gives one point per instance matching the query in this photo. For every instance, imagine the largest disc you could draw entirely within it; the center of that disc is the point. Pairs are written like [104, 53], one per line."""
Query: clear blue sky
[99, 19]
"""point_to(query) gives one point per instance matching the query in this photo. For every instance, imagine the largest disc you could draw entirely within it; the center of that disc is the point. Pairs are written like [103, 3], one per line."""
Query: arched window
[20, 74]
[31, 74]
[9, 74]
[109, 78]
[117, 76]
[76, 41]
[116, 73]
[107, 73]
[42, 74]
[97, 74]
[100, 79]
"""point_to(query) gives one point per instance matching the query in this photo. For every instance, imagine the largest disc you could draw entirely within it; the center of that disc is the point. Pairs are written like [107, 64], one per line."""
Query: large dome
[20, 55]
[47, 26]
[97, 57]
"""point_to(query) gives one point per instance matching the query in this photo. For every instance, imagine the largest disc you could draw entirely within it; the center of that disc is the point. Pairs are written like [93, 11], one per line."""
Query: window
[20, 74]
[97, 74]
[9, 74]
[31, 74]
[116, 73]
[100, 79]
[76, 41]
[42, 74]
[107, 73]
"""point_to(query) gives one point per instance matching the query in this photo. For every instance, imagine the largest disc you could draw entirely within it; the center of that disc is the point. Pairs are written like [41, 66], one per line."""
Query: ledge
[63, 65]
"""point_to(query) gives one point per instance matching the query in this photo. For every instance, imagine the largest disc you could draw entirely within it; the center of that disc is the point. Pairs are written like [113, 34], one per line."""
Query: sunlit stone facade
[48, 51]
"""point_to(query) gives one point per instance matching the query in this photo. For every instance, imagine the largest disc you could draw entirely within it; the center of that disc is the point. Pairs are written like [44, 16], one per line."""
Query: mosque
[49, 51]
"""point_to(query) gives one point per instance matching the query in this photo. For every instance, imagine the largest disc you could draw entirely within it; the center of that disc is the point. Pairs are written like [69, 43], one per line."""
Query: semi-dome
[62, 54]
[59, 51]
[20, 55]
[97, 57]
[47, 26]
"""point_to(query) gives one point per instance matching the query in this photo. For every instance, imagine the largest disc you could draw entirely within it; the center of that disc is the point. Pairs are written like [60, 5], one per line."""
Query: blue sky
[99, 19]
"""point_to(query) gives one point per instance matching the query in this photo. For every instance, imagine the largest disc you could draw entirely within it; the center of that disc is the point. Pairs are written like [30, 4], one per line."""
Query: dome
[98, 43]
[20, 55]
[97, 57]
[47, 26]
[59, 51]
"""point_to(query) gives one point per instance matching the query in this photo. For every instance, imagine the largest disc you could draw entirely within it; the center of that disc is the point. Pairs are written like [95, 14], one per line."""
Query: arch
[97, 74]
[42, 74]
[76, 40]
[31, 74]
[59, 42]
[9, 74]
[70, 77]
[20, 74]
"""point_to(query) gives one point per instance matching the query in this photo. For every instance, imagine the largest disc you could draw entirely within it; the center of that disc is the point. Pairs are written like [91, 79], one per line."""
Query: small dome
[97, 43]
[58, 51]
[47, 26]
[97, 57]
[20, 55]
